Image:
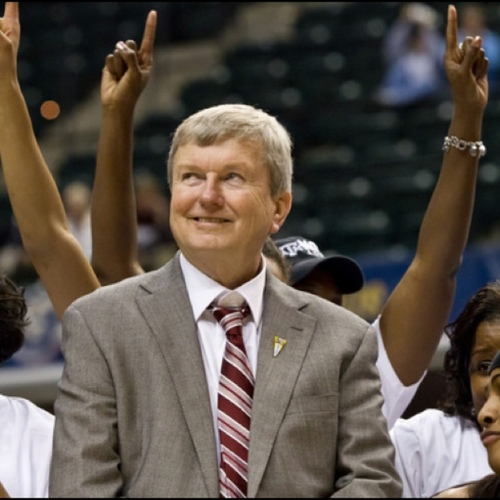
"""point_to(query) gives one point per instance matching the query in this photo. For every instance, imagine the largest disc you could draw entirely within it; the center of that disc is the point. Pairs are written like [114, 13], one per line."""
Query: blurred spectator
[42, 336]
[14, 260]
[473, 22]
[154, 239]
[413, 51]
[76, 198]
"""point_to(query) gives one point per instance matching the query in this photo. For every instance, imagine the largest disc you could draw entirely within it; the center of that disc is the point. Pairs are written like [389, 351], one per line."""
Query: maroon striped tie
[234, 404]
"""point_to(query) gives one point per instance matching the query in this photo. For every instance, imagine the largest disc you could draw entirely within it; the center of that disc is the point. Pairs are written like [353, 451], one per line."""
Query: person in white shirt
[64, 269]
[25, 447]
[489, 419]
[25, 429]
[410, 325]
[441, 448]
[437, 449]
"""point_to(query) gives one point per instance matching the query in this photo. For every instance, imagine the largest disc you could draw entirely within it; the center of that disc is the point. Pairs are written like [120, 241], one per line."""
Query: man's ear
[283, 205]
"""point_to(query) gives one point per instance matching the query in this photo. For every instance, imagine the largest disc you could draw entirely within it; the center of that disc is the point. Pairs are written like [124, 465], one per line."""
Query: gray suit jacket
[133, 414]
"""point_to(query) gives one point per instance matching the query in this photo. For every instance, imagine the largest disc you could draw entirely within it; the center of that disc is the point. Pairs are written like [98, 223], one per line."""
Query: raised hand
[114, 216]
[10, 35]
[127, 70]
[57, 256]
[466, 65]
[417, 310]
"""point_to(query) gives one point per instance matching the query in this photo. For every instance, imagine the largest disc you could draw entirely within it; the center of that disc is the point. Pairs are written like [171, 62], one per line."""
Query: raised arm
[416, 312]
[114, 219]
[56, 255]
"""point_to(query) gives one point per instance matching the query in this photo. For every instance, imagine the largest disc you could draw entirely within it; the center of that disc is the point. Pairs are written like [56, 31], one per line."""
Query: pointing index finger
[11, 13]
[148, 38]
[451, 28]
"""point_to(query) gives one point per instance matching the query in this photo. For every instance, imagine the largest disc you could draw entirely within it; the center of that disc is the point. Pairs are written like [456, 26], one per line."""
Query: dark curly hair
[488, 487]
[13, 318]
[483, 306]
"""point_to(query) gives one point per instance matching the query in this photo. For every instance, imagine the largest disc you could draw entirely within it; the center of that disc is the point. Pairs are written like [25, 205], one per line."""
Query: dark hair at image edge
[483, 306]
[13, 318]
[487, 487]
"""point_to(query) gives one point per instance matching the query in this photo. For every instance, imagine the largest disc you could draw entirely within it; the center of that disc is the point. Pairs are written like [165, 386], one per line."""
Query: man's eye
[233, 176]
[189, 176]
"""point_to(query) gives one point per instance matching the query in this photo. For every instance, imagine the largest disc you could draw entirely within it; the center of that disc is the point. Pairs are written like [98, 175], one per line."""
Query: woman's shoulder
[432, 423]
[462, 491]
[22, 411]
[429, 416]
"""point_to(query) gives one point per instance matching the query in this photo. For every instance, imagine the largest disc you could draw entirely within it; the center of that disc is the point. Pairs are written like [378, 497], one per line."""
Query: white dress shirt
[202, 291]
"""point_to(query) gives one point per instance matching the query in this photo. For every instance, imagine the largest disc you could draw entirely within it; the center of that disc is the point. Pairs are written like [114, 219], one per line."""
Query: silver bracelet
[476, 148]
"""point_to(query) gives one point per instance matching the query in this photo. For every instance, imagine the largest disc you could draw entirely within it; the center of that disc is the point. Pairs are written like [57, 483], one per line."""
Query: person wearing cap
[330, 276]
[413, 317]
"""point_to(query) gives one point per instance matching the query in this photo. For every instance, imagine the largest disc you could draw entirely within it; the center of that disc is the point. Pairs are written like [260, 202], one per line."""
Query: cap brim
[345, 271]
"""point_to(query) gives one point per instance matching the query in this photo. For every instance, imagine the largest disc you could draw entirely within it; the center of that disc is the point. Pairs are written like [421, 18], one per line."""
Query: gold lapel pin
[279, 343]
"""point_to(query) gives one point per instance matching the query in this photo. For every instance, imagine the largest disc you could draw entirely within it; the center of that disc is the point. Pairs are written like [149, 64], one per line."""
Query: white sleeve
[397, 396]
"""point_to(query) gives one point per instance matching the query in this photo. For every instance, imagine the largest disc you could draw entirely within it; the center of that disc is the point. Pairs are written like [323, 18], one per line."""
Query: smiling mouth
[210, 220]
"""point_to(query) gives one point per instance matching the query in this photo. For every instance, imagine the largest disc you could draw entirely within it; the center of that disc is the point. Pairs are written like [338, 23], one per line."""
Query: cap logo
[293, 248]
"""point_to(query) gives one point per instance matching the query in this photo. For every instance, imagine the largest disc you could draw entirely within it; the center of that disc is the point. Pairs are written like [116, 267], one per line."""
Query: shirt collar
[202, 290]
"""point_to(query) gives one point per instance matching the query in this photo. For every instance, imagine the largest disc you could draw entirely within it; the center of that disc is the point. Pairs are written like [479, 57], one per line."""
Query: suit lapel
[276, 375]
[166, 308]
[164, 302]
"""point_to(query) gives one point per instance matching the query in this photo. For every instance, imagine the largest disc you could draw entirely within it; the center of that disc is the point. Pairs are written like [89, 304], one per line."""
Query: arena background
[363, 173]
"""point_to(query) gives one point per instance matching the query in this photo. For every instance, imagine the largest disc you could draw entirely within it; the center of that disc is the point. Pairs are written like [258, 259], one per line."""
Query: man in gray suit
[136, 411]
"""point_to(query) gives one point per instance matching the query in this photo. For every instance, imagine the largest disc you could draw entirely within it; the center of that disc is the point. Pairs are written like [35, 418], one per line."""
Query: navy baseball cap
[305, 256]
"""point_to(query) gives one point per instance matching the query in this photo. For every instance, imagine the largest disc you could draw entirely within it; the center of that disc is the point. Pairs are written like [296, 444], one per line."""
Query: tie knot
[231, 299]
[230, 317]
[230, 310]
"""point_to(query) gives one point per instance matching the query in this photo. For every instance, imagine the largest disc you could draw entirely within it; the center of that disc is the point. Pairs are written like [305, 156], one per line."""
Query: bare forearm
[114, 216]
[32, 190]
[114, 224]
[445, 227]
[57, 256]
[414, 316]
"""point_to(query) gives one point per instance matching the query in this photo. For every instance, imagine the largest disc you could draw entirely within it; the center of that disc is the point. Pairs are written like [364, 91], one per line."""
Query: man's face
[221, 204]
